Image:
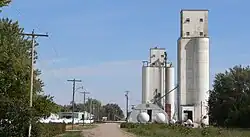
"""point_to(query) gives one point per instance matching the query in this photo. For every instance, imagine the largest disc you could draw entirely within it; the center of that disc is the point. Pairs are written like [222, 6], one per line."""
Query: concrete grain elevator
[193, 66]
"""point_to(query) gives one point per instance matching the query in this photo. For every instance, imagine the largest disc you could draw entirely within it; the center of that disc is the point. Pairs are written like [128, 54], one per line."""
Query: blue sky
[102, 42]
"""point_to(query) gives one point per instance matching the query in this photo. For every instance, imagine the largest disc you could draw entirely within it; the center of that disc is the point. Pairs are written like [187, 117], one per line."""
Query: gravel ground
[106, 130]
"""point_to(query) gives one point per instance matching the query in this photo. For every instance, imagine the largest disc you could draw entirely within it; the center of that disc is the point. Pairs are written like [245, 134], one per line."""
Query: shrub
[129, 125]
[48, 130]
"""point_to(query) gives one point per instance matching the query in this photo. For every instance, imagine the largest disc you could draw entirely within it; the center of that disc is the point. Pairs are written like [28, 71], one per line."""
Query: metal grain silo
[153, 77]
[201, 78]
[153, 83]
[145, 82]
[170, 93]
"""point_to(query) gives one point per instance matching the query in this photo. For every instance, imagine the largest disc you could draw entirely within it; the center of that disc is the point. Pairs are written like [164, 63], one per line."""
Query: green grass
[71, 134]
[161, 130]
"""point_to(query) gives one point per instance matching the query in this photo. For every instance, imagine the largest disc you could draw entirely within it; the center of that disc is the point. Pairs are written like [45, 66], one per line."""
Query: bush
[129, 125]
[48, 130]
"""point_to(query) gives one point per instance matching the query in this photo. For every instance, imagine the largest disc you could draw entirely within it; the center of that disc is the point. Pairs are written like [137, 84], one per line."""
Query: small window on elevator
[201, 19]
[187, 20]
[201, 33]
[187, 33]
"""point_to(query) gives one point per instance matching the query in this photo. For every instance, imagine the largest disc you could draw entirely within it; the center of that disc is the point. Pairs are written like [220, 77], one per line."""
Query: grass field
[161, 130]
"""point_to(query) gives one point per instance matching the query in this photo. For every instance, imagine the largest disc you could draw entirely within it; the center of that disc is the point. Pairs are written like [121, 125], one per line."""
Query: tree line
[112, 111]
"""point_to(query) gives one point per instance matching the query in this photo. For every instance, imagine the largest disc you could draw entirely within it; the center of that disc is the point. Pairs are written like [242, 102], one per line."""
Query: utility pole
[126, 95]
[98, 113]
[84, 98]
[33, 36]
[90, 107]
[73, 100]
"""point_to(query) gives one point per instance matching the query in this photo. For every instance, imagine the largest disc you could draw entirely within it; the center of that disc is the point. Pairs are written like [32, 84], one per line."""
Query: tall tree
[4, 3]
[93, 106]
[229, 103]
[113, 111]
[15, 66]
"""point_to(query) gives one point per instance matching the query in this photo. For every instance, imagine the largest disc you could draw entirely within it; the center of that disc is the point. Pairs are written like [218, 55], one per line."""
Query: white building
[193, 66]
[77, 115]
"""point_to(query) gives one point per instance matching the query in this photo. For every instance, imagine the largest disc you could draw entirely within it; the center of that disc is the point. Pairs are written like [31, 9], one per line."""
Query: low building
[152, 110]
[77, 115]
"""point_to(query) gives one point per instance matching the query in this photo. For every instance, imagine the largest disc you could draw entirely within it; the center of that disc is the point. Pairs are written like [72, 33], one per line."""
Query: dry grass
[81, 127]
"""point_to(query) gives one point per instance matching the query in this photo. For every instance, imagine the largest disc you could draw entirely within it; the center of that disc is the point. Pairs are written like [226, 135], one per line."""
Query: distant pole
[73, 100]
[92, 107]
[97, 113]
[89, 107]
[33, 36]
[201, 111]
[93, 111]
[126, 95]
[84, 98]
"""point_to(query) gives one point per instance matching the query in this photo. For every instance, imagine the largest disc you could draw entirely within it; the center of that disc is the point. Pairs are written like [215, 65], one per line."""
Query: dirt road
[106, 130]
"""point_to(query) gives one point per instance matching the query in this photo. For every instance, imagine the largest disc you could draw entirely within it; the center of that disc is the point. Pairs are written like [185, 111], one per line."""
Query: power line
[33, 36]
[126, 95]
[73, 100]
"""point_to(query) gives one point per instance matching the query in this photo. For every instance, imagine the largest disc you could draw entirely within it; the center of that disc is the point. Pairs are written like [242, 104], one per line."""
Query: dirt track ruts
[106, 130]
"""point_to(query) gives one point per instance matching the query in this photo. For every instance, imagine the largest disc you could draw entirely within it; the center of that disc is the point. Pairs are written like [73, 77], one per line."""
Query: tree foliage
[113, 111]
[229, 102]
[15, 66]
[4, 3]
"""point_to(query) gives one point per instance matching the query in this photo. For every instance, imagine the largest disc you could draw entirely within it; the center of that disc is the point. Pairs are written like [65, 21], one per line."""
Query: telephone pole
[89, 107]
[73, 100]
[126, 95]
[84, 98]
[33, 36]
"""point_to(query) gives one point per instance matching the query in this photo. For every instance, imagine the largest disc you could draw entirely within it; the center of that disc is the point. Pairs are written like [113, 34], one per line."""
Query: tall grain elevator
[193, 66]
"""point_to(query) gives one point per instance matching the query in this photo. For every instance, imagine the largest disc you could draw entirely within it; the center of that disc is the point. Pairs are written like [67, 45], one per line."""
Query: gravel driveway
[106, 130]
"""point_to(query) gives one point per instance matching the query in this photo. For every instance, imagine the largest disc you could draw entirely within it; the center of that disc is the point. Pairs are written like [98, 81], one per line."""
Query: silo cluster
[158, 81]
[192, 86]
